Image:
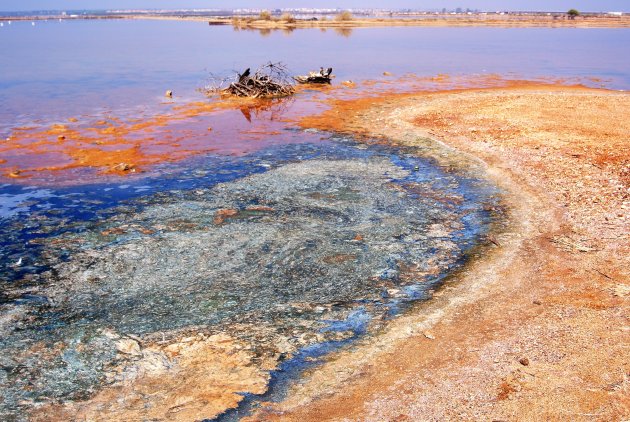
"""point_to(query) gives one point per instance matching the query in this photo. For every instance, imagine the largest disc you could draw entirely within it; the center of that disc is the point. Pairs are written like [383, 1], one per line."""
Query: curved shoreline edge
[535, 330]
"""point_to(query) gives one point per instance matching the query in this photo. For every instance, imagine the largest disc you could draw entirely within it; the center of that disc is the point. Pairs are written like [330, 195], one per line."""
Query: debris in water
[269, 81]
[321, 77]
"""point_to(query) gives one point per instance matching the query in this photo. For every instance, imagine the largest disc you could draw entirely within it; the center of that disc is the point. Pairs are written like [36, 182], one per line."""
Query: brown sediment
[122, 147]
[195, 378]
[553, 291]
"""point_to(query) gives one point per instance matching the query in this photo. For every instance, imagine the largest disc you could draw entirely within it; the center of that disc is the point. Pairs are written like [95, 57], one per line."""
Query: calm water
[311, 217]
[59, 69]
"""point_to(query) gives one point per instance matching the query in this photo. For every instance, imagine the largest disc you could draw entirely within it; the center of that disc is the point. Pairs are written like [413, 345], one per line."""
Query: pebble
[429, 335]
[128, 346]
[124, 167]
[523, 361]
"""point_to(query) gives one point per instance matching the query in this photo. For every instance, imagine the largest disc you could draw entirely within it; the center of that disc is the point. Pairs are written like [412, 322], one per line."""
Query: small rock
[493, 240]
[221, 215]
[621, 290]
[393, 292]
[110, 334]
[154, 362]
[429, 335]
[61, 137]
[537, 302]
[128, 346]
[169, 94]
[387, 74]
[260, 208]
[124, 167]
[523, 361]
[389, 274]
[113, 230]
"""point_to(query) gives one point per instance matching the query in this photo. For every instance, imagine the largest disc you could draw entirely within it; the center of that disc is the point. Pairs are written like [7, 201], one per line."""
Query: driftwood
[269, 81]
[321, 77]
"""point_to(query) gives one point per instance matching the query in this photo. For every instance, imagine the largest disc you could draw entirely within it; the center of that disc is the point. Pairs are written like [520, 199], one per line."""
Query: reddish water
[72, 113]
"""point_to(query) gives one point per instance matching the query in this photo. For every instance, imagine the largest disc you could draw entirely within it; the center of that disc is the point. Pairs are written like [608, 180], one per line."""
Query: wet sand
[538, 328]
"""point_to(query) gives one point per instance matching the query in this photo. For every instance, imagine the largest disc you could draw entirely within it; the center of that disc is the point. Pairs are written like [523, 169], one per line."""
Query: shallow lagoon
[60, 69]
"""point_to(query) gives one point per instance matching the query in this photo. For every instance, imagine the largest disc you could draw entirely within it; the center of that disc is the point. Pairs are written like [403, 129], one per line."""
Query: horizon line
[466, 10]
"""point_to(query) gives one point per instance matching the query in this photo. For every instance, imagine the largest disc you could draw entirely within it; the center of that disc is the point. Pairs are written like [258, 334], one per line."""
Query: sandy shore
[515, 21]
[535, 330]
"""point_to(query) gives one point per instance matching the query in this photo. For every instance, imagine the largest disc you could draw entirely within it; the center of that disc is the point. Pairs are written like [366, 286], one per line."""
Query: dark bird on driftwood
[244, 75]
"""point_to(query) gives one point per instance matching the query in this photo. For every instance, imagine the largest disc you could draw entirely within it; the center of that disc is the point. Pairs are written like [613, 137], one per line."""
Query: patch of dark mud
[283, 260]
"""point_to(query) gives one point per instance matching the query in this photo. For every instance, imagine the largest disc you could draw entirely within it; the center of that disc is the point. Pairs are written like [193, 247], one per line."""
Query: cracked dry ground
[536, 330]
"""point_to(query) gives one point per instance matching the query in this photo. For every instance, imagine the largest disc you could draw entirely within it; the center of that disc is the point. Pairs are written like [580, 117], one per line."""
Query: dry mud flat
[536, 330]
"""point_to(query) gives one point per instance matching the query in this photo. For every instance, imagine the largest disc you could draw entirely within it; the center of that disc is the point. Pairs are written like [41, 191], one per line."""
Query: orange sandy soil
[535, 329]
[195, 378]
[114, 146]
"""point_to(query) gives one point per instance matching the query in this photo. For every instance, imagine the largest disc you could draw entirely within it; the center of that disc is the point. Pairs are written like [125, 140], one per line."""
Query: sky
[533, 5]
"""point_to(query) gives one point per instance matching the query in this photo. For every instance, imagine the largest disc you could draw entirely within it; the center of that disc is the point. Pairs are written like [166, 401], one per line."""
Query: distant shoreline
[436, 20]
